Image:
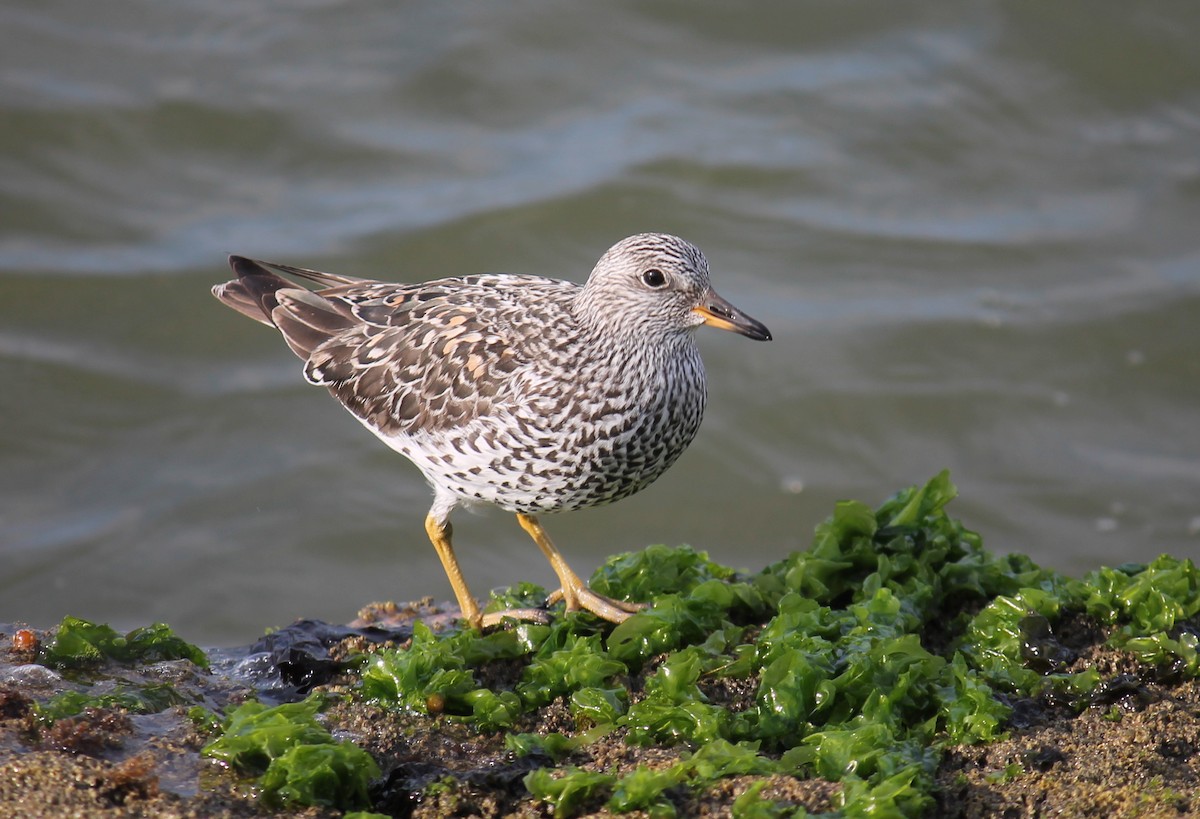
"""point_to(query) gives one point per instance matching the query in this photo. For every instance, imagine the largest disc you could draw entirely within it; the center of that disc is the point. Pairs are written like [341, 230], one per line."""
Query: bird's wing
[407, 357]
[434, 356]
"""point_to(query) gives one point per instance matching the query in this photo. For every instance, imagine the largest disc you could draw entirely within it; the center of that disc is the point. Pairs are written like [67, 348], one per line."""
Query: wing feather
[408, 358]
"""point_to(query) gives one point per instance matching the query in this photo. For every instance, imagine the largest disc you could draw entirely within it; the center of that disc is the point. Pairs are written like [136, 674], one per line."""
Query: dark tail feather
[306, 320]
[326, 279]
[252, 293]
[303, 317]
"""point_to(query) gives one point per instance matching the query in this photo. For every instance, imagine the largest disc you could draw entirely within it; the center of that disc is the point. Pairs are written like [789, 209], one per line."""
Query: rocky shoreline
[1135, 753]
[894, 669]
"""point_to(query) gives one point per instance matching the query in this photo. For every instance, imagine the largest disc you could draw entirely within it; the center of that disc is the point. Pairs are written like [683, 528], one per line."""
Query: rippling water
[971, 227]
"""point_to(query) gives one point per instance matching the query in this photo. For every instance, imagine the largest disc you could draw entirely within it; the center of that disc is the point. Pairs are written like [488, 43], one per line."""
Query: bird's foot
[498, 618]
[606, 608]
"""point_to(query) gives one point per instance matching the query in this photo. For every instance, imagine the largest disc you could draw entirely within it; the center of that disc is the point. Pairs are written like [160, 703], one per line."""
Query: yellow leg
[574, 591]
[439, 535]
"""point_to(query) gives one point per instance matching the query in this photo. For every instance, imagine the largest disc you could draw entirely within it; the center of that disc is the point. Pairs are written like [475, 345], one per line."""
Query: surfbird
[533, 394]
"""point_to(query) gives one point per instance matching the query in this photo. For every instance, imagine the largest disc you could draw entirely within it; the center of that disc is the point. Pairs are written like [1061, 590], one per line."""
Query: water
[971, 228]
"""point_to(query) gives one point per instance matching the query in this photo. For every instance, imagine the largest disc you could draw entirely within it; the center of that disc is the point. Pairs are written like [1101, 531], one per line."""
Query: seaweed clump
[858, 661]
[894, 668]
[296, 761]
[81, 645]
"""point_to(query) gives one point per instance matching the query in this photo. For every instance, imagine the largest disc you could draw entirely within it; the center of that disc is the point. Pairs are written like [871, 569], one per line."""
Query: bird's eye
[654, 277]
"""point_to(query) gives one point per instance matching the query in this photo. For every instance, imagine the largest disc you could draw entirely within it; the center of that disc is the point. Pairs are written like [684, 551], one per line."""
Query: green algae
[554, 744]
[434, 675]
[296, 760]
[1147, 604]
[643, 788]
[568, 789]
[146, 699]
[833, 642]
[858, 661]
[1150, 605]
[82, 645]
[752, 805]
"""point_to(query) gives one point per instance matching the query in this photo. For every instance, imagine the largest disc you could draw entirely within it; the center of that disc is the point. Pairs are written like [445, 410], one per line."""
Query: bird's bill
[719, 313]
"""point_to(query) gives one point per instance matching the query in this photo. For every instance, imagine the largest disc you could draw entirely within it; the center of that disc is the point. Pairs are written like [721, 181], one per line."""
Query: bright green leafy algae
[642, 789]
[297, 760]
[204, 720]
[721, 758]
[859, 660]
[554, 745]
[434, 675]
[751, 805]
[255, 735]
[80, 644]
[334, 775]
[1145, 599]
[1150, 604]
[968, 711]
[580, 664]
[524, 595]
[599, 706]
[148, 699]
[675, 709]
[570, 789]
